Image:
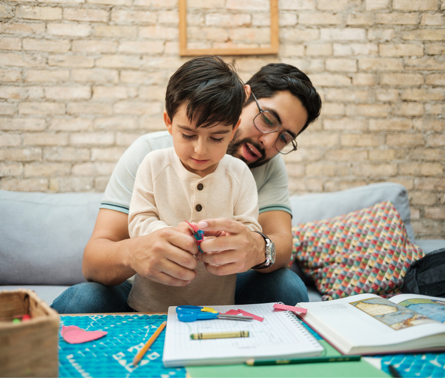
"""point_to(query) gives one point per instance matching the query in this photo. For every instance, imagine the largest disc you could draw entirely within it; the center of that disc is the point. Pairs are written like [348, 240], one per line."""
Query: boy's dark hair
[211, 90]
[279, 77]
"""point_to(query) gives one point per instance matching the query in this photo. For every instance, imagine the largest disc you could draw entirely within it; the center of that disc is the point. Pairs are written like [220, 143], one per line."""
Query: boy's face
[199, 149]
[256, 148]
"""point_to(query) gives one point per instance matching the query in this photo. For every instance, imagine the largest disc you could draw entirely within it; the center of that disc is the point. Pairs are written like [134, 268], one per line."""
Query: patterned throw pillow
[366, 251]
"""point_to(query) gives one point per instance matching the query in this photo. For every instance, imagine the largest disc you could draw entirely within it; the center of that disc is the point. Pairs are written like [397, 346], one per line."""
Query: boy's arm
[110, 257]
[143, 217]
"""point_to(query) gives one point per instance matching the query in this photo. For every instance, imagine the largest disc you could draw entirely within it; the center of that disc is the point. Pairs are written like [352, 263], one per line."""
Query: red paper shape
[76, 335]
[195, 228]
[295, 310]
[245, 313]
[231, 312]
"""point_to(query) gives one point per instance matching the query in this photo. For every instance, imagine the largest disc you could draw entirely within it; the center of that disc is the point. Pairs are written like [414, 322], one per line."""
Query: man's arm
[277, 226]
[110, 257]
[242, 249]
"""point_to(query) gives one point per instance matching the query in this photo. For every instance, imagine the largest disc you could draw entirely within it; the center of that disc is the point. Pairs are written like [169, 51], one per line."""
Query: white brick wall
[80, 80]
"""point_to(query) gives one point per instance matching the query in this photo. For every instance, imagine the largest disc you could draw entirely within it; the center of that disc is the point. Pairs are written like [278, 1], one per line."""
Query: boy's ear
[248, 91]
[235, 128]
[168, 122]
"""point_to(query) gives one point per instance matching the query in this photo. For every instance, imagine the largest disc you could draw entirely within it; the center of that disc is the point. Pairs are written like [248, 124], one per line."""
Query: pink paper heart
[76, 335]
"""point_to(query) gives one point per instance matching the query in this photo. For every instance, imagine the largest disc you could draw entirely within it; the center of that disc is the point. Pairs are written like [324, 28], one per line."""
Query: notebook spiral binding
[299, 324]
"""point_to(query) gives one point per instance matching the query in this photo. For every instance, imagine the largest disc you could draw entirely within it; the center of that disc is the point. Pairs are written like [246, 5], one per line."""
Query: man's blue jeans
[282, 285]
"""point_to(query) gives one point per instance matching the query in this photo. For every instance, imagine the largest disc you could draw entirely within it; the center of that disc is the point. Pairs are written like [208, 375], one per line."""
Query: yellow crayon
[219, 335]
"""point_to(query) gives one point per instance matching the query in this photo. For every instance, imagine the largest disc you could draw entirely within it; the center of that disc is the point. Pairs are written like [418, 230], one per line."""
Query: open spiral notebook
[280, 335]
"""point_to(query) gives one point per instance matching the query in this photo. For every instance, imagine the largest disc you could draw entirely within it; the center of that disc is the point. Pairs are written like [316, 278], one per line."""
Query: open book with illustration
[369, 324]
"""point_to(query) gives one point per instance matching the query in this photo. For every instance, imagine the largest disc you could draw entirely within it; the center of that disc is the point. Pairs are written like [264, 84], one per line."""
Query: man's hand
[165, 256]
[234, 249]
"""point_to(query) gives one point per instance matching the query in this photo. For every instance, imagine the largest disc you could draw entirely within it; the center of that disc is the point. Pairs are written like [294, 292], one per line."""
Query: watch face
[272, 253]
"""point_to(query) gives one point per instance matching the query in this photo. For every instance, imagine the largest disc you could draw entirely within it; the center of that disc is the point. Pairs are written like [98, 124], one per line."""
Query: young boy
[195, 179]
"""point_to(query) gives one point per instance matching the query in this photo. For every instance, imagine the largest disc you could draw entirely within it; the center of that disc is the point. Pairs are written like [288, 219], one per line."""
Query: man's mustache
[239, 143]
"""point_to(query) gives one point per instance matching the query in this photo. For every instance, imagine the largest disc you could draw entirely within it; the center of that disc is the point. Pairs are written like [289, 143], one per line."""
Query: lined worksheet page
[279, 335]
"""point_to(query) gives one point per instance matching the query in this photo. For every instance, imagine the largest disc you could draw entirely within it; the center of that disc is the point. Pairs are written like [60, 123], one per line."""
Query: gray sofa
[42, 236]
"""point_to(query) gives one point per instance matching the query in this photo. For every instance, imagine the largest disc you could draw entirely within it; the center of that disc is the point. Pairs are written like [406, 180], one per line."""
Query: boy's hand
[236, 250]
[186, 229]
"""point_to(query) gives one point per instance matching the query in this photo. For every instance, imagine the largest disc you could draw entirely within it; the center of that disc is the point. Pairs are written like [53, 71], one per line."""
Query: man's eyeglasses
[267, 123]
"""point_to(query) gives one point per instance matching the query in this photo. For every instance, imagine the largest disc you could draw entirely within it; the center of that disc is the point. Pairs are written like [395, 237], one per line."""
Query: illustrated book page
[367, 323]
[279, 335]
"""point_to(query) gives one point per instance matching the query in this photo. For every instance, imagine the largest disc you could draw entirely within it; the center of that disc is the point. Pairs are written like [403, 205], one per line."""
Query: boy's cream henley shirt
[165, 194]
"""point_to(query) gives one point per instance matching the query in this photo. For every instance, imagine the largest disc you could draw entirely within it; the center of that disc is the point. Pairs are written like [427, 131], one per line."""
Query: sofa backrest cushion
[43, 235]
[318, 206]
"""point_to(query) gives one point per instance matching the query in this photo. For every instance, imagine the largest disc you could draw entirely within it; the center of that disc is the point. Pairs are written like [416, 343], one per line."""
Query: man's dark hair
[280, 77]
[211, 90]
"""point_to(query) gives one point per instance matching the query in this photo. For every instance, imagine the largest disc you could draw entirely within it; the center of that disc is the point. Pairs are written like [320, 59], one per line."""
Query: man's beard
[237, 143]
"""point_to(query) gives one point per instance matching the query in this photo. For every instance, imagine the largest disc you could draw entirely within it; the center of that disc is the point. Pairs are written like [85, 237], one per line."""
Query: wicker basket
[28, 348]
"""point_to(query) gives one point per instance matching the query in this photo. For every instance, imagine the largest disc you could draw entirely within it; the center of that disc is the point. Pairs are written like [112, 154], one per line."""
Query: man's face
[256, 148]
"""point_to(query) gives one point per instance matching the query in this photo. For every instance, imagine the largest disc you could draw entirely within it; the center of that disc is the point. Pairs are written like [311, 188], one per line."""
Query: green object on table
[339, 369]
[308, 360]
[16, 321]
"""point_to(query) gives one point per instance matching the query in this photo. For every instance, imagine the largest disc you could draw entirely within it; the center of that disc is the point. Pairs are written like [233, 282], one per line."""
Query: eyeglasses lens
[284, 143]
[267, 123]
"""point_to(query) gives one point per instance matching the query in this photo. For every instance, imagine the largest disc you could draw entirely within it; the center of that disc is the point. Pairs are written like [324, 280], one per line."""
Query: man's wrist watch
[270, 253]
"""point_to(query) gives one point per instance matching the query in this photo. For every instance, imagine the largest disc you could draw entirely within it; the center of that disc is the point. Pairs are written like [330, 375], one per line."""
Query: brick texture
[80, 81]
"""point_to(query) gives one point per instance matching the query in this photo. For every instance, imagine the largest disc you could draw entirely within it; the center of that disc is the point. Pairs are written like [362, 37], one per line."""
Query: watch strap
[266, 262]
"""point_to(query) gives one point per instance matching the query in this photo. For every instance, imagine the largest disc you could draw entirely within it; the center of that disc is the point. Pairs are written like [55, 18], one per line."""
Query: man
[281, 103]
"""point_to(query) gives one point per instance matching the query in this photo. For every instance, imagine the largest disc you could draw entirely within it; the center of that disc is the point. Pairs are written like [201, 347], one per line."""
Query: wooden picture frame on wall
[269, 50]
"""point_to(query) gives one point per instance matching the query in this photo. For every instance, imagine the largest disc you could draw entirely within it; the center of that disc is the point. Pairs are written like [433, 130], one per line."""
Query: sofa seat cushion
[43, 236]
[365, 251]
[44, 292]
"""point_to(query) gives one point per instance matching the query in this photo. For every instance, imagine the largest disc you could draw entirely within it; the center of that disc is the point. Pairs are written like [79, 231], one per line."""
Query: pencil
[148, 344]
[393, 371]
[303, 360]
[219, 335]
